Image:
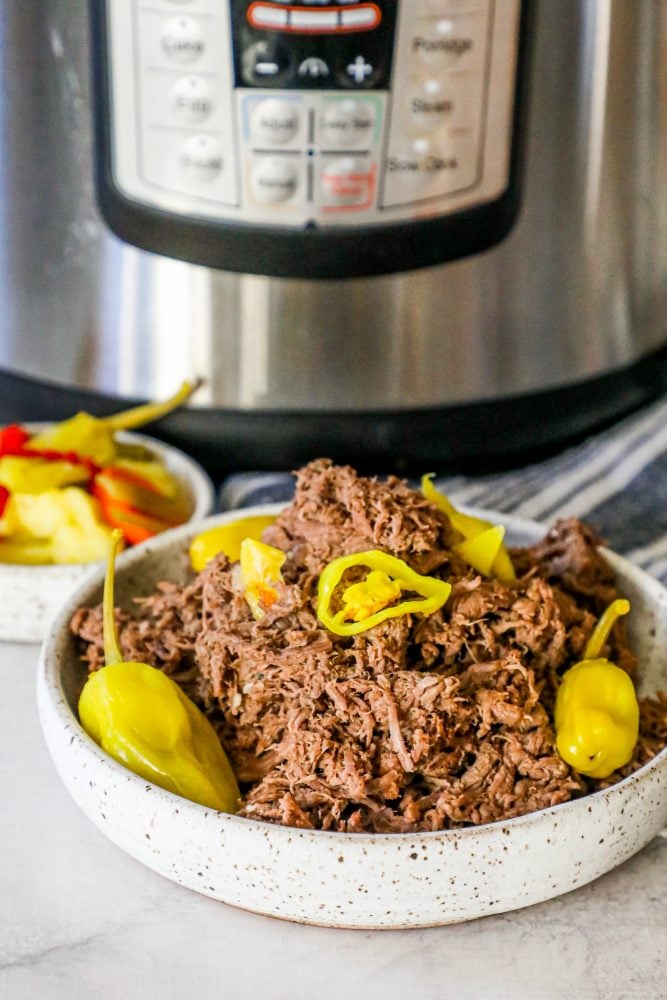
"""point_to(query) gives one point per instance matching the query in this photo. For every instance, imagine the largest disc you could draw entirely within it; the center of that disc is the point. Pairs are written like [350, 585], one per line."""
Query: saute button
[182, 39]
[191, 99]
[274, 122]
[274, 180]
[201, 157]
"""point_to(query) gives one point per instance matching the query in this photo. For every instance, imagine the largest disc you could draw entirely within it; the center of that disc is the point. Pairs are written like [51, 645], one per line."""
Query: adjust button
[274, 179]
[182, 39]
[274, 122]
[191, 99]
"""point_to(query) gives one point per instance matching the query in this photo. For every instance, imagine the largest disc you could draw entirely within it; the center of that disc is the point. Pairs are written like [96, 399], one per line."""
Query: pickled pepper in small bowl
[64, 489]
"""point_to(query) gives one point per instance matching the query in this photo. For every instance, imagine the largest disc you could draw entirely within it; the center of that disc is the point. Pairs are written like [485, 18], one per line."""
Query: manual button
[274, 180]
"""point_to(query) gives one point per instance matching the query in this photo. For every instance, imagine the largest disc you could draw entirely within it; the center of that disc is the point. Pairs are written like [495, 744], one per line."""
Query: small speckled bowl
[351, 880]
[31, 595]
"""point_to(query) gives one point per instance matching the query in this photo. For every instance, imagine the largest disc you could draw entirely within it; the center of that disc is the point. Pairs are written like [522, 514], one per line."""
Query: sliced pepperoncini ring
[597, 714]
[482, 546]
[371, 601]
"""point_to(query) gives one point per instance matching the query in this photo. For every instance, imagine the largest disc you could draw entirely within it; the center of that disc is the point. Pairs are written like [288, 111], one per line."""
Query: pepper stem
[148, 412]
[604, 626]
[112, 653]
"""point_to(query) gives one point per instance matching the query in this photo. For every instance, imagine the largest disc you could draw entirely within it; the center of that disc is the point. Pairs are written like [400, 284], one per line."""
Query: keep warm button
[347, 183]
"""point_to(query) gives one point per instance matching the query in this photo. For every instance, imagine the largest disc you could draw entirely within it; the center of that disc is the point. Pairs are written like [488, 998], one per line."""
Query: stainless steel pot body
[577, 290]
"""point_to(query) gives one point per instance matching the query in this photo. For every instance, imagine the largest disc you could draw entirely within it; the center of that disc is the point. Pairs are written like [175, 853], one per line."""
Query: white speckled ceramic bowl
[31, 595]
[351, 880]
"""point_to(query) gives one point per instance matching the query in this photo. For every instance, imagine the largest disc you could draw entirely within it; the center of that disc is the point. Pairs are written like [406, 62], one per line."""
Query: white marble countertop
[80, 919]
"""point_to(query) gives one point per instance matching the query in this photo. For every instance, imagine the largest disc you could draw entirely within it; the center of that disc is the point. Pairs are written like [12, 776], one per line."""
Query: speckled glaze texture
[351, 880]
[31, 595]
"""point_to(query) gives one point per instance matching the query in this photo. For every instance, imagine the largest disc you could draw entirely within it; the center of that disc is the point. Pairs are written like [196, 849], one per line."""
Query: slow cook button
[274, 122]
[347, 181]
[425, 169]
[182, 39]
[191, 99]
[347, 123]
[274, 179]
[201, 158]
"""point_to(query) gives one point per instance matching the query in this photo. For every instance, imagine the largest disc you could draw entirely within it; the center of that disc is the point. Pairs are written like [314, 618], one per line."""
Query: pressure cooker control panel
[312, 113]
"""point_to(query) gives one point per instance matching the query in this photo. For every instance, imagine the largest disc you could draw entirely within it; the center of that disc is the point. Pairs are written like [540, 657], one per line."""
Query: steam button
[430, 105]
[201, 157]
[274, 122]
[274, 179]
[182, 39]
[191, 99]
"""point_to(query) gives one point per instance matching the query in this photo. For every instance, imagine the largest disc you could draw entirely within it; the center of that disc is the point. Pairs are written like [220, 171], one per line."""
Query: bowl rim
[49, 680]
[202, 488]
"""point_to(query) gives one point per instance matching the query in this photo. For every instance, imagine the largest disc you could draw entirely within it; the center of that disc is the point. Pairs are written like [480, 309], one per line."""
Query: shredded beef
[419, 723]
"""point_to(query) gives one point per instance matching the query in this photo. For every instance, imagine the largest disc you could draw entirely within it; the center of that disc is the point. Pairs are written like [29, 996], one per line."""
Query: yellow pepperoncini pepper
[371, 601]
[93, 437]
[260, 574]
[142, 719]
[482, 546]
[226, 538]
[597, 714]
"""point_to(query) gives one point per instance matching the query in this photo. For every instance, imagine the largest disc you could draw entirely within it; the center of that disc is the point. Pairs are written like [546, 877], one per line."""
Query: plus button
[359, 69]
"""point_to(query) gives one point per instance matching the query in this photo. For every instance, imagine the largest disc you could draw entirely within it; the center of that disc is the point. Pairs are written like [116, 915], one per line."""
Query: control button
[262, 15]
[201, 158]
[274, 122]
[347, 123]
[191, 99]
[313, 68]
[265, 61]
[449, 42]
[429, 104]
[427, 168]
[347, 182]
[274, 180]
[359, 70]
[182, 39]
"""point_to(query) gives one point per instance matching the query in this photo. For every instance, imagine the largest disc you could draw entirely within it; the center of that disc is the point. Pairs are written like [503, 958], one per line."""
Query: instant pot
[404, 233]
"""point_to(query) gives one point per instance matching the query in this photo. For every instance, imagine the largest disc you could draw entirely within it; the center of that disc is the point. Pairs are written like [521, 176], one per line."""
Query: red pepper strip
[135, 524]
[14, 440]
[4, 497]
[130, 477]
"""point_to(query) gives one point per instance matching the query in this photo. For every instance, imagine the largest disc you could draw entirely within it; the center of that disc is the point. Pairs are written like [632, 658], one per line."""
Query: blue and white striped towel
[615, 480]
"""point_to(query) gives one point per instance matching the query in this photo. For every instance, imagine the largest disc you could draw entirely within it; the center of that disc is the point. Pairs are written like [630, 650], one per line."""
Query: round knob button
[347, 123]
[182, 39]
[274, 180]
[274, 122]
[201, 157]
[191, 99]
